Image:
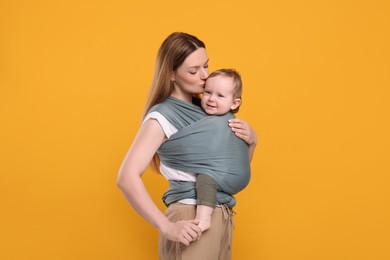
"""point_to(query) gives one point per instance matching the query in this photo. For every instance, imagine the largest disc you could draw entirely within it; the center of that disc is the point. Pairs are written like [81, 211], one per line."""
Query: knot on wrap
[204, 144]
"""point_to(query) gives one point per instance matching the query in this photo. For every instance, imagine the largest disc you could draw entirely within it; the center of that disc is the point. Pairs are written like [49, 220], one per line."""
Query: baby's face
[218, 95]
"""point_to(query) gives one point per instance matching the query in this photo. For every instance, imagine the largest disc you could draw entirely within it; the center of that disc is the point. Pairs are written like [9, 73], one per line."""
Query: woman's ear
[236, 103]
[173, 76]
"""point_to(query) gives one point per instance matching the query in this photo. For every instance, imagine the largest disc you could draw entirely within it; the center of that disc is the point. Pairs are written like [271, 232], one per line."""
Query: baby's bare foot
[203, 215]
[204, 224]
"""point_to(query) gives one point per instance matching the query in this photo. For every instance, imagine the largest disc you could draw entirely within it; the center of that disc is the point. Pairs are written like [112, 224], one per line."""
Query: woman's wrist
[253, 141]
[164, 226]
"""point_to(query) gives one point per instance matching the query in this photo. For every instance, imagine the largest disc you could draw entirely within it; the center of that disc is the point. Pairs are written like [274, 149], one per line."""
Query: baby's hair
[237, 91]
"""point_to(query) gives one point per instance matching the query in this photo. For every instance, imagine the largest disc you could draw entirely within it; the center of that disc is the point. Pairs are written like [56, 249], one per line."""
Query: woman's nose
[205, 73]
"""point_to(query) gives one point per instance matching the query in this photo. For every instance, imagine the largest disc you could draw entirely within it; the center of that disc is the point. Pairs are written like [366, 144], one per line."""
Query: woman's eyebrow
[200, 65]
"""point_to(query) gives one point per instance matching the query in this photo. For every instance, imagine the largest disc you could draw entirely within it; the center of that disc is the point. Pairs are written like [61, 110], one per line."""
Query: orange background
[74, 76]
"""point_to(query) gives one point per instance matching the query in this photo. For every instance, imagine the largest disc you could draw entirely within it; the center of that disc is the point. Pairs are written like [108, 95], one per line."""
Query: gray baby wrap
[204, 145]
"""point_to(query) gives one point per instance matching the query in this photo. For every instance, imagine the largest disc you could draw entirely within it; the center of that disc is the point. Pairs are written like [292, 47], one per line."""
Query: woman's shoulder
[168, 128]
[161, 107]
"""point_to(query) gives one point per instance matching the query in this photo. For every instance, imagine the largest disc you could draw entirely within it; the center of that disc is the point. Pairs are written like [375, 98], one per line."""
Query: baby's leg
[206, 193]
[203, 214]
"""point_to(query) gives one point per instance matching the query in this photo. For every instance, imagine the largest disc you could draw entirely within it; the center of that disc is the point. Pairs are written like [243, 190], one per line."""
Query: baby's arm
[206, 193]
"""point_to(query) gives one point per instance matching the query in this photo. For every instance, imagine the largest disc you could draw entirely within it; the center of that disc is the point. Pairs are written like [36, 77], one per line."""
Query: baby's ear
[236, 103]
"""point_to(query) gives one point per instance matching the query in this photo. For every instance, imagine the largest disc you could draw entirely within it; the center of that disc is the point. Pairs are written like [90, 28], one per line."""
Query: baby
[222, 94]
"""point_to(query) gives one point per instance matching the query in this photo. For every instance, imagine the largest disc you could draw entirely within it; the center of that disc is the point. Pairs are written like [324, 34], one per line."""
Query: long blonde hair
[172, 53]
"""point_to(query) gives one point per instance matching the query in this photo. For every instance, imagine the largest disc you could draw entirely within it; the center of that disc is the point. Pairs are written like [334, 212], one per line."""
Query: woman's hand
[244, 131]
[184, 231]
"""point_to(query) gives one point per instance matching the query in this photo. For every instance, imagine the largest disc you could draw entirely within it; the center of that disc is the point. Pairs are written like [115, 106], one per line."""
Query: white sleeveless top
[167, 172]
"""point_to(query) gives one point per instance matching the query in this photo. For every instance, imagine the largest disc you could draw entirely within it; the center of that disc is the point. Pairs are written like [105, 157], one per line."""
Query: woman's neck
[182, 96]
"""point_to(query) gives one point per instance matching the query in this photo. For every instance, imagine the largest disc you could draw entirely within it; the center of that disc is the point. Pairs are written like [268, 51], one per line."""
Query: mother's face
[190, 77]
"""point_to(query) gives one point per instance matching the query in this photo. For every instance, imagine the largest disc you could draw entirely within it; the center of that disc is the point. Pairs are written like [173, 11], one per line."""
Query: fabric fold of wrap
[204, 144]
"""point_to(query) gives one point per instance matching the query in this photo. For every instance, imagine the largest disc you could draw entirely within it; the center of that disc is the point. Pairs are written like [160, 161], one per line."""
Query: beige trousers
[215, 243]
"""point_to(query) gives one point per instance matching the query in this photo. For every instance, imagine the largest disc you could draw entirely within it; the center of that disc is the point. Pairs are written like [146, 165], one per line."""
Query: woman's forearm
[148, 139]
[136, 194]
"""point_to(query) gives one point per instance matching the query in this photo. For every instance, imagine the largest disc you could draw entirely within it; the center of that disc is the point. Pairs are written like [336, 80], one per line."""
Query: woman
[180, 73]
